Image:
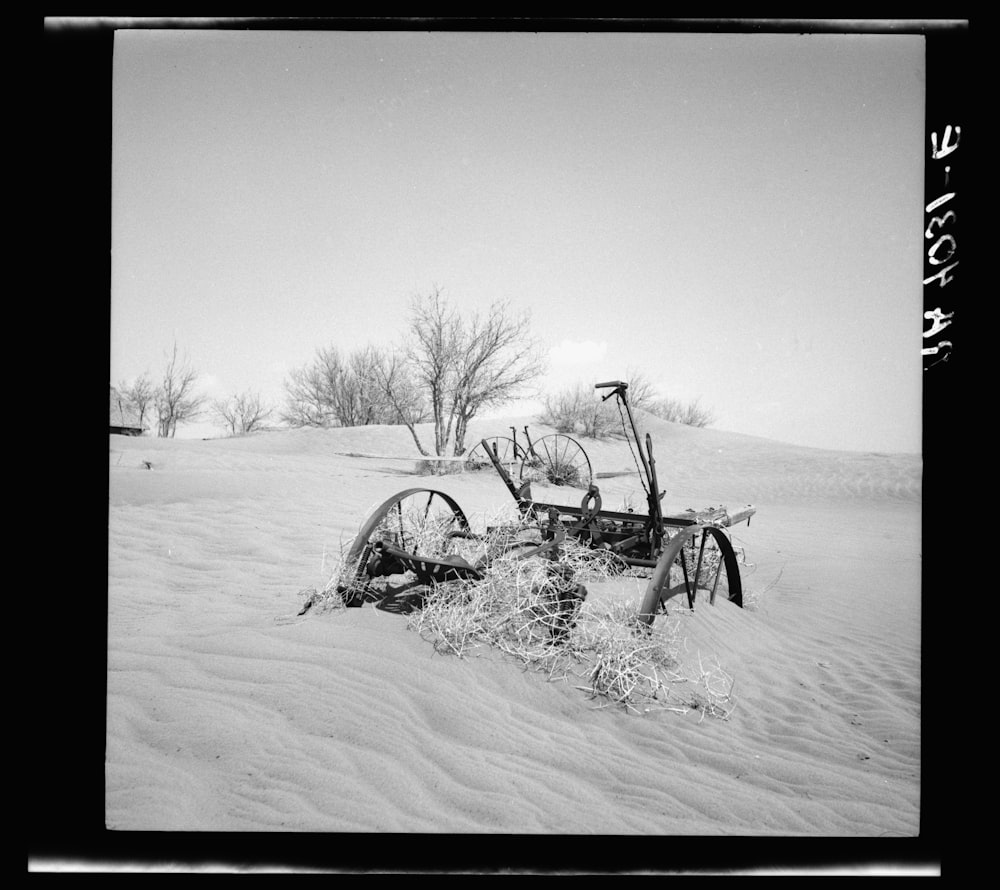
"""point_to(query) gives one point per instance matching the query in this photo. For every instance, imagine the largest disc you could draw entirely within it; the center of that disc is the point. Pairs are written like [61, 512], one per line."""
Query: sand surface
[224, 713]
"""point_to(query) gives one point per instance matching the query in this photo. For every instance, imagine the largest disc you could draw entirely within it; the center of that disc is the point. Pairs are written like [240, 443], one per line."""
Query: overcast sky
[740, 217]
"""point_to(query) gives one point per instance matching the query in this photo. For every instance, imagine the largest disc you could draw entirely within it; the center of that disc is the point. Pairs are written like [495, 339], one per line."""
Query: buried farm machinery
[557, 459]
[681, 553]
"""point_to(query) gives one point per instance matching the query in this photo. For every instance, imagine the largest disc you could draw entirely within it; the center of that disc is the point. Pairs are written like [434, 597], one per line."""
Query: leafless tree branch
[139, 393]
[242, 413]
[467, 364]
[174, 399]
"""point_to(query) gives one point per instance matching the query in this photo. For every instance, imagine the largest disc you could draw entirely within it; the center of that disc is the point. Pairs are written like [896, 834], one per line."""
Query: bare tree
[175, 399]
[435, 327]
[308, 401]
[365, 400]
[451, 368]
[498, 360]
[465, 365]
[242, 413]
[393, 377]
[334, 391]
[140, 393]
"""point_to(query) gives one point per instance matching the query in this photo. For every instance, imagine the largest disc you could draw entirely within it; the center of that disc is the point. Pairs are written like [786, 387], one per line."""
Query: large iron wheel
[422, 521]
[696, 558]
[505, 449]
[558, 460]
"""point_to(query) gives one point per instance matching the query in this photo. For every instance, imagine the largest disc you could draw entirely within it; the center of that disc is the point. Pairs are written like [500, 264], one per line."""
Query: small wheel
[558, 460]
[695, 558]
[421, 521]
[506, 450]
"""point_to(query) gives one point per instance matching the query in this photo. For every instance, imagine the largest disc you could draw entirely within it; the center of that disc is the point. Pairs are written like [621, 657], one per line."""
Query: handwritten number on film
[942, 249]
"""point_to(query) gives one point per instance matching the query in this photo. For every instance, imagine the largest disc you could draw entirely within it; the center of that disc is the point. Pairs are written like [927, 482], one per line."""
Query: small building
[124, 416]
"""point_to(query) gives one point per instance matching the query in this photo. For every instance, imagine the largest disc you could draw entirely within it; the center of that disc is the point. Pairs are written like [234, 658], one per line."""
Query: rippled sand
[223, 714]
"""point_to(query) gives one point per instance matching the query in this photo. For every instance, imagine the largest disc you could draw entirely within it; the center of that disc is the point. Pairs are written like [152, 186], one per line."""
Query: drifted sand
[226, 714]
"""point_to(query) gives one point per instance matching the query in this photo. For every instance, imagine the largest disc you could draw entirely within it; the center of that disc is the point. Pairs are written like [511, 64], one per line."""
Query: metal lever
[617, 386]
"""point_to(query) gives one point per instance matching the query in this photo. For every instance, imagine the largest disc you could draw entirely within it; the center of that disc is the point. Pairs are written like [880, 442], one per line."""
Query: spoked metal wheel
[558, 460]
[420, 521]
[695, 558]
[506, 450]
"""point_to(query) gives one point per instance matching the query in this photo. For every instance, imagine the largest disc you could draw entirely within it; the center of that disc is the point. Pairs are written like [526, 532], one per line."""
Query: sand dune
[227, 714]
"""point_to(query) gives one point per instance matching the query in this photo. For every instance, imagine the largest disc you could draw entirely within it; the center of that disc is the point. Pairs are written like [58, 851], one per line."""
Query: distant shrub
[688, 413]
[579, 411]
